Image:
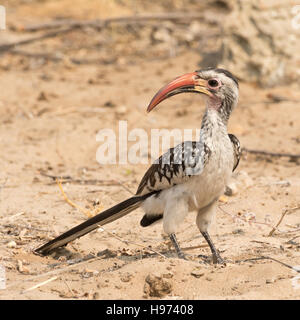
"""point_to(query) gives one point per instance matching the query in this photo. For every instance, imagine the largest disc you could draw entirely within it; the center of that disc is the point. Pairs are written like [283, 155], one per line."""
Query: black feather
[93, 223]
[148, 219]
[236, 149]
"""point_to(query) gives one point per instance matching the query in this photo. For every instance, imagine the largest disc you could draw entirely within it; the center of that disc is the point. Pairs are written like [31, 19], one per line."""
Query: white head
[219, 85]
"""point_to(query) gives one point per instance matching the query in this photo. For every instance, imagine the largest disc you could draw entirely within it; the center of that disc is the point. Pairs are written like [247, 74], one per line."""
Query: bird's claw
[182, 256]
[217, 259]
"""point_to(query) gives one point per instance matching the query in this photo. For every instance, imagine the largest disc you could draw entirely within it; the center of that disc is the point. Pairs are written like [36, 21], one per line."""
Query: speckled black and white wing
[236, 149]
[175, 166]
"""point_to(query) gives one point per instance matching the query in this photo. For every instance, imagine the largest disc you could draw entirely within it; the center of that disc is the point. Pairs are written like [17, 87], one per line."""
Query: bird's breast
[210, 184]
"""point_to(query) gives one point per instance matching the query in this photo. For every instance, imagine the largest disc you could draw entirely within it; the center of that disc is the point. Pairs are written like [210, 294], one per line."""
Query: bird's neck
[213, 126]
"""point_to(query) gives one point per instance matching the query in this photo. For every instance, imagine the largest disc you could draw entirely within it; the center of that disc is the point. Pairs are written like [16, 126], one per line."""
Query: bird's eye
[213, 83]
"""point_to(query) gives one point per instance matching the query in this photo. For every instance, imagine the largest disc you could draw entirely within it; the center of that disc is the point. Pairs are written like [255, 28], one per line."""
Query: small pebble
[231, 189]
[126, 277]
[238, 231]
[168, 275]
[268, 281]
[197, 273]
[12, 244]
[223, 199]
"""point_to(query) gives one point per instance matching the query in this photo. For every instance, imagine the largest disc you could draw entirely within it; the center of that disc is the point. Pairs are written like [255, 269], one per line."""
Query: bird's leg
[175, 211]
[215, 254]
[204, 218]
[180, 254]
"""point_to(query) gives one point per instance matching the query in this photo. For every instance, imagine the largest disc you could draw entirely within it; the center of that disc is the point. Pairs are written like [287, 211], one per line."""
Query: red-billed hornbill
[189, 177]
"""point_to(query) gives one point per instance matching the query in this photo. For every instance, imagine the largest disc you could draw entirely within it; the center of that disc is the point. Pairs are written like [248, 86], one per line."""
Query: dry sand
[50, 115]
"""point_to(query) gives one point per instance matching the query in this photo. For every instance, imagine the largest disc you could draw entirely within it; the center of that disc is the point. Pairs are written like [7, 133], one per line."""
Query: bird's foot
[181, 255]
[217, 259]
[205, 259]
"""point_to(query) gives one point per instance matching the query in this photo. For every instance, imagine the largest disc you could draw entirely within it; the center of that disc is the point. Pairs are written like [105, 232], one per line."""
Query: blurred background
[257, 40]
[69, 68]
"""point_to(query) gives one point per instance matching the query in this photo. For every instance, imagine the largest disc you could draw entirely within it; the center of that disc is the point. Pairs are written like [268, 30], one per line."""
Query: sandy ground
[50, 115]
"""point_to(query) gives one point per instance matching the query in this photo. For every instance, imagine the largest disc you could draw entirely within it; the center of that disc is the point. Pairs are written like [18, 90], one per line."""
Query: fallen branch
[8, 46]
[70, 25]
[50, 57]
[100, 23]
[272, 154]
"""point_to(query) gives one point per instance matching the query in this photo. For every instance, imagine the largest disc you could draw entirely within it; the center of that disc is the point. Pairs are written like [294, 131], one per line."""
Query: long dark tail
[107, 216]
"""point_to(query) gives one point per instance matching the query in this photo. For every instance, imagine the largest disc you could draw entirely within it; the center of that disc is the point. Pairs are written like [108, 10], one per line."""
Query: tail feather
[148, 219]
[107, 216]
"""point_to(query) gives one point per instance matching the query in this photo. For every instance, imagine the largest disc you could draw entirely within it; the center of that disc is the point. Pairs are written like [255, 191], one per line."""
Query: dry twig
[271, 154]
[291, 241]
[56, 271]
[269, 258]
[69, 288]
[69, 179]
[71, 203]
[40, 284]
[10, 218]
[284, 213]
[235, 217]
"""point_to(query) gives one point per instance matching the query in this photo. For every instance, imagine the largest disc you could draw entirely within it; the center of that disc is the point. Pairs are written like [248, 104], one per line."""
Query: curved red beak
[178, 85]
